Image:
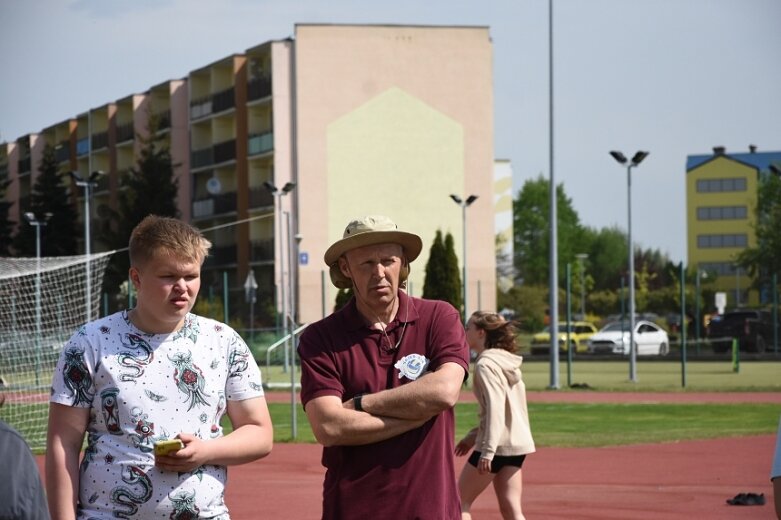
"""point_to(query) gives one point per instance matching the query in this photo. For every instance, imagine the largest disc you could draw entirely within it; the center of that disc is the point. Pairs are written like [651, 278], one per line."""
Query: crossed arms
[387, 413]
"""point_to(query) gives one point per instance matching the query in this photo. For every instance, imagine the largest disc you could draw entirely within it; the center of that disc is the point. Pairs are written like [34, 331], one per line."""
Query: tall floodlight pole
[581, 260]
[464, 204]
[293, 254]
[553, 283]
[88, 184]
[636, 159]
[37, 223]
[278, 194]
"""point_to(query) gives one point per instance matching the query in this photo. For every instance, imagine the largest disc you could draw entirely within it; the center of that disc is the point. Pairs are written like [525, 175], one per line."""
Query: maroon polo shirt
[408, 476]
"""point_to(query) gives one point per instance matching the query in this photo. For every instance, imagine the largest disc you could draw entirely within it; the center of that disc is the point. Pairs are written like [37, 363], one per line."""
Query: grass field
[653, 376]
[582, 425]
[587, 424]
[660, 376]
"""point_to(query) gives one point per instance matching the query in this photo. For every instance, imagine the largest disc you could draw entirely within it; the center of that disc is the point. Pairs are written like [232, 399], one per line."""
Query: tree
[442, 280]
[531, 229]
[149, 188]
[453, 281]
[765, 258]
[607, 257]
[528, 303]
[5, 223]
[50, 195]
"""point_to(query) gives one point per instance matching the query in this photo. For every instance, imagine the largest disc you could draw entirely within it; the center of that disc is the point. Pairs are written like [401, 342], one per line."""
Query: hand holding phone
[168, 446]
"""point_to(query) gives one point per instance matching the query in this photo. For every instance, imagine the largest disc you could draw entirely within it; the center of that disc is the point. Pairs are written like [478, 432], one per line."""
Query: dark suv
[752, 328]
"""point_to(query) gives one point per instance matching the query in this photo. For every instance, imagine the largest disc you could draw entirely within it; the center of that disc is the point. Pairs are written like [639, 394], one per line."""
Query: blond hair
[499, 333]
[164, 236]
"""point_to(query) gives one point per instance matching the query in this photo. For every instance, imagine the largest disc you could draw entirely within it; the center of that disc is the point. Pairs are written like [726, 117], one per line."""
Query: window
[722, 213]
[721, 185]
[712, 241]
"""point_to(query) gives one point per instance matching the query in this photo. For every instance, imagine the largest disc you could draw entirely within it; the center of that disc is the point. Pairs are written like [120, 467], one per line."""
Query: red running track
[682, 480]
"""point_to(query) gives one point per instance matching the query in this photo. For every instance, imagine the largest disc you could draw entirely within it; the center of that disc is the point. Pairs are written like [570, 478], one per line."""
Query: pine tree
[150, 188]
[5, 222]
[50, 195]
[442, 281]
[454, 273]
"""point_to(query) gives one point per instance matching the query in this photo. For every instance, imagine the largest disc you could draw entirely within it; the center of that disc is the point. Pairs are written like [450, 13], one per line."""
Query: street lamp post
[636, 160]
[581, 260]
[87, 184]
[699, 274]
[278, 194]
[464, 204]
[37, 223]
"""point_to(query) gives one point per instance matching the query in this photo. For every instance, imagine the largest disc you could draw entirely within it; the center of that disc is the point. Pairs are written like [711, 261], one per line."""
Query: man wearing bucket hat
[379, 381]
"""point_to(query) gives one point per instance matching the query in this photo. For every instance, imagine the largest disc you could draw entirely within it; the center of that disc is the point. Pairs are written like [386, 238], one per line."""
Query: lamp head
[270, 187]
[456, 198]
[618, 156]
[471, 199]
[95, 175]
[288, 187]
[29, 216]
[638, 158]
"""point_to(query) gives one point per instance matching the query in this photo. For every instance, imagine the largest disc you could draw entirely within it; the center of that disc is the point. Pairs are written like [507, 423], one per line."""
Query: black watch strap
[357, 402]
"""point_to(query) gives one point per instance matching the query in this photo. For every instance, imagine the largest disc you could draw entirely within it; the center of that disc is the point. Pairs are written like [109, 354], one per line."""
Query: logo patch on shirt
[412, 366]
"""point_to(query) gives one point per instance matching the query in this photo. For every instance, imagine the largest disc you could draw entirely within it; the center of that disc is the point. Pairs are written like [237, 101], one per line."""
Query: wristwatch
[357, 403]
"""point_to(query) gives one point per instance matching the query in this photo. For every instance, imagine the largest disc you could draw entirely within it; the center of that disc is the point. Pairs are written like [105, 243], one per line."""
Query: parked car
[613, 338]
[752, 328]
[580, 331]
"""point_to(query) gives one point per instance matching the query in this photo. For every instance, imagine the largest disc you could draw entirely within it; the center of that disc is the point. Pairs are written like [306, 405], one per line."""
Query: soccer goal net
[42, 303]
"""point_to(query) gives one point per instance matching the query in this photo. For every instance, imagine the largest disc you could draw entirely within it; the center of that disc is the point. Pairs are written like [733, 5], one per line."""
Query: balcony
[82, 147]
[62, 152]
[200, 107]
[258, 88]
[202, 157]
[262, 250]
[163, 120]
[260, 198]
[125, 132]
[219, 256]
[3, 172]
[224, 100]
[260, 143]
[218, 153]
[216, 205]
[225, 151]
[24, 165]
[99, 140]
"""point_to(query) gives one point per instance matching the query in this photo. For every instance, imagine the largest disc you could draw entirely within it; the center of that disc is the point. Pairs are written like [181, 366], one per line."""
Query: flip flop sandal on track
[747, 499]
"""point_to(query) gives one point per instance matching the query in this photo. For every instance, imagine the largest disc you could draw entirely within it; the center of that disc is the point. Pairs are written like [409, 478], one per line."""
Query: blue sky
[674, 77]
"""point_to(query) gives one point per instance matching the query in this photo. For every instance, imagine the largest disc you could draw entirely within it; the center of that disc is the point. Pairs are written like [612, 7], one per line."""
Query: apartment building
[277, 147]
[721, 195]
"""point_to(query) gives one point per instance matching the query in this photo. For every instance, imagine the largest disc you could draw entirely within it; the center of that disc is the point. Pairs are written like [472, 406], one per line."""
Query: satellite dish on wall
[213, 186]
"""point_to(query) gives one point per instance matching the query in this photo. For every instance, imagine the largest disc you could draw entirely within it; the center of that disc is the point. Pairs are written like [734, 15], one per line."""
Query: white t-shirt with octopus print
[141, 388]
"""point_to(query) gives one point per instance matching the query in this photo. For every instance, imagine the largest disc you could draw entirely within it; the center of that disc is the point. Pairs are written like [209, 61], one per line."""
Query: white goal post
[42, 304]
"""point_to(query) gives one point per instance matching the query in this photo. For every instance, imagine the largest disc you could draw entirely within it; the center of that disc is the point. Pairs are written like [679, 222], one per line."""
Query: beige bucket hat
[366, 231]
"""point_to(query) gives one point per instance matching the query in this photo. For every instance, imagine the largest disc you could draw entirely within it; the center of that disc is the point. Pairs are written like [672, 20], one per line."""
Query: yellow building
[721, 195]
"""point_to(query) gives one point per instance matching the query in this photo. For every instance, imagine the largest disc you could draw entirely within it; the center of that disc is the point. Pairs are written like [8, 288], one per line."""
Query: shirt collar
[407, 313]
